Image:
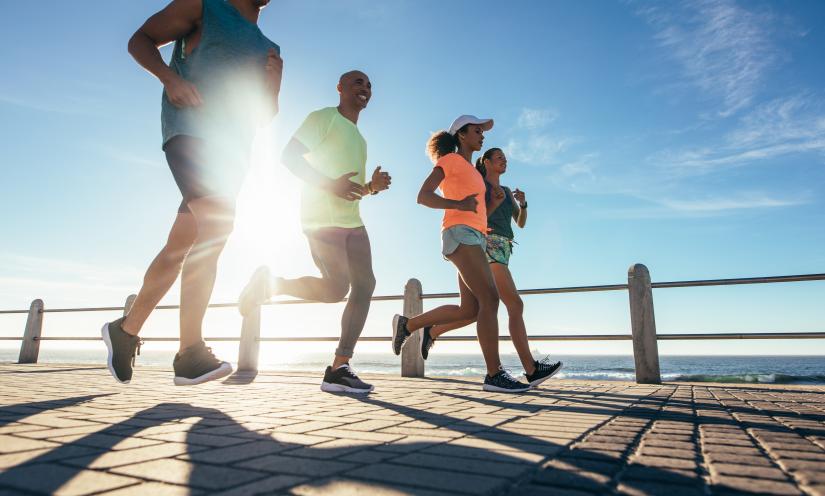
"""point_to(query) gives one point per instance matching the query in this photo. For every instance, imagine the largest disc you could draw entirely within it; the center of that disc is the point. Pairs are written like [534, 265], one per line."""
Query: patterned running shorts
[499, 249]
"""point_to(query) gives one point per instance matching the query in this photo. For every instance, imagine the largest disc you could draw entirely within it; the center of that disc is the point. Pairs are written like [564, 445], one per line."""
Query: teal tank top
[228, 69]
[500, 221]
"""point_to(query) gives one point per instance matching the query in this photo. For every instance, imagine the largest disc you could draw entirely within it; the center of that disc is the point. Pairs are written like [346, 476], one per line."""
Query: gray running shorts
[461, 235]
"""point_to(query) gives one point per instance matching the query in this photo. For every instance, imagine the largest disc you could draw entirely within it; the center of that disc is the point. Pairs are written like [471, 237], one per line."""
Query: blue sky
[688, 137]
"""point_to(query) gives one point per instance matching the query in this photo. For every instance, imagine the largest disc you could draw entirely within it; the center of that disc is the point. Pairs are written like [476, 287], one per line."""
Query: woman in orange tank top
[463, 242]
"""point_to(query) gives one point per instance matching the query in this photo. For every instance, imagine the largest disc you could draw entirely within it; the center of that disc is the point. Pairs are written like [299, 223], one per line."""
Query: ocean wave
[750, 378]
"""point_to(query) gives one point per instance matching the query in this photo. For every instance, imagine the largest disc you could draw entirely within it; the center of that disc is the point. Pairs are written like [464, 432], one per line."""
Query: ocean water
[734, 369]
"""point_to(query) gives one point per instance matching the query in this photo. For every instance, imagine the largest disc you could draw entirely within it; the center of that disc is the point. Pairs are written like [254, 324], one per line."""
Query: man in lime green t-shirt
[329, 154]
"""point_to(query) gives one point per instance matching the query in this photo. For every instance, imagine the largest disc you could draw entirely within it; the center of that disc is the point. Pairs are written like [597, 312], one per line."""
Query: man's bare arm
[177, 20]
[293, 158]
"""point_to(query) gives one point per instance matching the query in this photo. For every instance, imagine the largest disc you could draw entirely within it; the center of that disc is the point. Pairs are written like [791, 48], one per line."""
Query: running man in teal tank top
[222, 83]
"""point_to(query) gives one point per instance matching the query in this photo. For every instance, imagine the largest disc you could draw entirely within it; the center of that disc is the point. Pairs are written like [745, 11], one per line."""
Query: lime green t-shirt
[336, 147]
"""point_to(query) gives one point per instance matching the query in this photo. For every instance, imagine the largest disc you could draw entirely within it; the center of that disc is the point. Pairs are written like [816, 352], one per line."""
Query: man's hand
[181, 93]
[520, 197]
[344, 188]
[274, 70]
[468, 204]
[380, 180]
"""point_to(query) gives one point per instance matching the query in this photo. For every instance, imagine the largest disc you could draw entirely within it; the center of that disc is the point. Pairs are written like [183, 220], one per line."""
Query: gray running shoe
[122, 348]
[399, 333]
[427, 342]
[503, 382]
[197, 364]
[344, 380]
[258, 290]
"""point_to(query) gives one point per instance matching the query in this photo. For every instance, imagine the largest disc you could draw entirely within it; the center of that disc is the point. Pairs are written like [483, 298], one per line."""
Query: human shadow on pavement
[210, 451]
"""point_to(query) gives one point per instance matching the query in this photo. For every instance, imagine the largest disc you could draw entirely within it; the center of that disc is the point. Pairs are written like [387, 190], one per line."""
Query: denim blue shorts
[461, 235]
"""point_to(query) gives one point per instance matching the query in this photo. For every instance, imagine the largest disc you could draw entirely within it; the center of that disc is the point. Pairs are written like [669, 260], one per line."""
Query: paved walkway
[71, 430]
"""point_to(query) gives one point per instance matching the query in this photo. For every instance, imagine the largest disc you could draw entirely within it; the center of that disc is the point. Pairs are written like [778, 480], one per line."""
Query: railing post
[249, 349]
[30, 347]
[412, 365]
[643, 325]
[127, 307]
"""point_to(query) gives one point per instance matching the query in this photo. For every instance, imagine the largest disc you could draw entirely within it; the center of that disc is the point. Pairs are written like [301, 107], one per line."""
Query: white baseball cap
[486, 124]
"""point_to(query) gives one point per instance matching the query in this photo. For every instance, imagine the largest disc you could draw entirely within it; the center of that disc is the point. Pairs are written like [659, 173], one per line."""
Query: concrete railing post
[249, 349]
[643, 324]
[127, 307]
[412, 365]
[30, 347]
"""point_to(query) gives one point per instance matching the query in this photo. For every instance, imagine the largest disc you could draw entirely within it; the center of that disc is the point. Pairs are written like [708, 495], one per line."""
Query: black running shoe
[197, 364]
[344, 380]
[427, 342]
[399, 333]
[122, 347]
[544, 370]
[503, 382]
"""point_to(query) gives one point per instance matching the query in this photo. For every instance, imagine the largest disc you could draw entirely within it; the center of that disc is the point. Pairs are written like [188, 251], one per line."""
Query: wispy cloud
[531, 118]
[780, 127]
[723, 48]
[722, 204]
[538, 149]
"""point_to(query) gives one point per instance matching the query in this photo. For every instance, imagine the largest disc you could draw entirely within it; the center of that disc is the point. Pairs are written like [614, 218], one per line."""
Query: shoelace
[544, 362]
[137, 351]
[505, 374]
[348, 370]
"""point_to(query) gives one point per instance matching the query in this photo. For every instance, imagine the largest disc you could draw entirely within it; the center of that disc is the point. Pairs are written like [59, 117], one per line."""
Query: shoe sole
[395, 333]
[104, 332]
[539, 381]
[495, 389]
[330, 387]
[224, 370]
[421, 348]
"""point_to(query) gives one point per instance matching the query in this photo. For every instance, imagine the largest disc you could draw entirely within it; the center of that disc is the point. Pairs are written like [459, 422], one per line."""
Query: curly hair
[443, 143]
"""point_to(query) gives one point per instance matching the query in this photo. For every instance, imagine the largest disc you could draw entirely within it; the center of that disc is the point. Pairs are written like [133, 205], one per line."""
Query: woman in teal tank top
[503, 207]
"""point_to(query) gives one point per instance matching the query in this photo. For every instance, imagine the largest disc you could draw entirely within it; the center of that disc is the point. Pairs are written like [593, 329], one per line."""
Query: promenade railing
[642, 323]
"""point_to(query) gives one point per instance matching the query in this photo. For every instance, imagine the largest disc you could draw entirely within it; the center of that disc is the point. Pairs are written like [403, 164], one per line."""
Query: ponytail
[480, 167]
[441, 143]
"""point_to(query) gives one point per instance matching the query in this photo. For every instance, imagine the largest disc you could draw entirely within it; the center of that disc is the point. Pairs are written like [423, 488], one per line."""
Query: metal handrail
[569, 289]
[541, 337]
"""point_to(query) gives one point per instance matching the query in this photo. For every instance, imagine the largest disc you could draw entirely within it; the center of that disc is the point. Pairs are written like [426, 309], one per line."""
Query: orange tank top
[460, 180]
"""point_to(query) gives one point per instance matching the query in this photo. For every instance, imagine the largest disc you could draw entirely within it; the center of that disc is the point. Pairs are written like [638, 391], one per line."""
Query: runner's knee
[364, 286]
[514, 305]
[335, 291]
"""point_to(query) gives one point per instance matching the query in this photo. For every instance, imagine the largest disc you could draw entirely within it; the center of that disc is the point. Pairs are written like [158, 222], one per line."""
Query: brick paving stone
[232, 454]
[153, 488]
[349, 487]
[12, 444]
[268, 485]
[754, 486]
[651, 488]
[536, 490]
[454, 464]
[211, 477]
[130, 456]
[55, 479]
[295, 465]
[441, 480]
